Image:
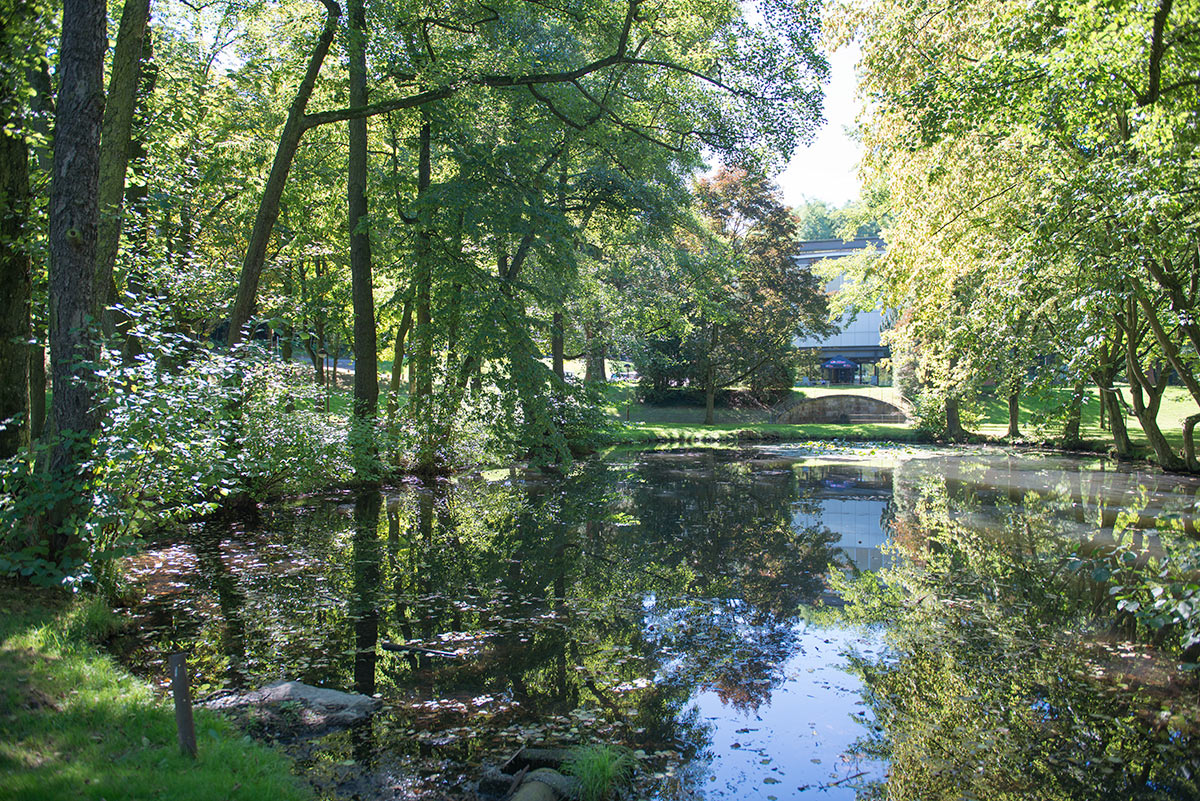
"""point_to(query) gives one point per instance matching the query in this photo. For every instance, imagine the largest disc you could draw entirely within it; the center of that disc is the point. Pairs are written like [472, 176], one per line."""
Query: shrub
[184, 428]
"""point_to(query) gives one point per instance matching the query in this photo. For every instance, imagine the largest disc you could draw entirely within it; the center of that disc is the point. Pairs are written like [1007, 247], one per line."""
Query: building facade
[852, 355]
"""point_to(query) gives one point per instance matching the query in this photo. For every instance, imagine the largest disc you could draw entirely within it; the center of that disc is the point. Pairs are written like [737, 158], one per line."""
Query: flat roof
[825, 245]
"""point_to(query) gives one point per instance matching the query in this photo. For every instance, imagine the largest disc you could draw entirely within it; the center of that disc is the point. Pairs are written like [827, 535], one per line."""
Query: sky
[827, 169]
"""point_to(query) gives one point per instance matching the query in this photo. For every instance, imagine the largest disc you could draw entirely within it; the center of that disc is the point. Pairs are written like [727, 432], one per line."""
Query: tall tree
[17, 60]
[1065, 133]
[724, 100]
[752, 298]
[366, 370]
[285, 153]
[15, 287]
[74, 223]
[115, 136]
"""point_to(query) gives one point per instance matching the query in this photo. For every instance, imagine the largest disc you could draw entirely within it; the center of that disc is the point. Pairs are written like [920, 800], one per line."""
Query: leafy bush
[579, 415]
[184, 429]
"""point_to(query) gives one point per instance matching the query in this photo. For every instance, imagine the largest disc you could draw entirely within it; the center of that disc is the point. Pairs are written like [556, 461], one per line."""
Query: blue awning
[839, 363]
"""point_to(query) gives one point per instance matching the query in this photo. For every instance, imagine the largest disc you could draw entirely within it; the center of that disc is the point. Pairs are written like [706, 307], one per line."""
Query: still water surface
[695, 605]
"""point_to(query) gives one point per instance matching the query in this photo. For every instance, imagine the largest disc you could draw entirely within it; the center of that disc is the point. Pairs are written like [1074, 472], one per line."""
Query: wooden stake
[183, 703]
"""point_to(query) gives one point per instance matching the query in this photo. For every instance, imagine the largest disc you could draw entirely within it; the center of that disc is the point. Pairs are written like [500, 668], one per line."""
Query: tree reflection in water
[1011, 673]
[608, 602]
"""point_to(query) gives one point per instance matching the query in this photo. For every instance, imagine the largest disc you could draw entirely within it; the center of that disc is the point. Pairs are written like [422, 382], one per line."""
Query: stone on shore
[293, 705]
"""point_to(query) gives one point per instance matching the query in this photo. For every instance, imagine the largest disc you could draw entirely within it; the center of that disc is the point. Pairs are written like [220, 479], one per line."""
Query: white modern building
[852, 355]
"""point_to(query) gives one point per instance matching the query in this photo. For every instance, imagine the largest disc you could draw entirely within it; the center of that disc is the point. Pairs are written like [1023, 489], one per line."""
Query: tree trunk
[366, 347]
[286, 344]
[137, 194]
[393, 401]
[1147, 397]
[556, 323]
[1111, 406]
[115, 135]
[37, 391]
[1182, 302]
[1070, 435]
[315, 347]
[15, 290]
[1189, 442]
[1014, 414]
[954, 429]
[268, 207]
[710, 399]
[556, 345]
[41, 115]
[594, 369]
[74, 220]
[422, 396]
[1170, 348]
[1116, 419]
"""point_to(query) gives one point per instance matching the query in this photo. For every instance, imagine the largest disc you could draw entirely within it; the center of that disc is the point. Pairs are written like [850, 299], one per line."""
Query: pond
[782, 622]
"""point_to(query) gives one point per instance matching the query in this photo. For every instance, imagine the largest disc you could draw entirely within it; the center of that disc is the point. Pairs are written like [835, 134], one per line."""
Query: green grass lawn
[1177, 404]
[887, 394]
[75, 725]
[643, 423]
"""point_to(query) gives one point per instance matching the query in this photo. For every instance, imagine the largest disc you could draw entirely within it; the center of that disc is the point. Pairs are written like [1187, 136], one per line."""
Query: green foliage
[868, 597]
[1039, 234]
[929, 414]
[747, 298]
[818, 220]
[580, 416]
[601, 769]
[522, 209]
[1154, 597]
[186, 430]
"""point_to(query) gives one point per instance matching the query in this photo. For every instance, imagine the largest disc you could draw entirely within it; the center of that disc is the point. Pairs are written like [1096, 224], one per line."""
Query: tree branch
[1157, 48]
[412, 101]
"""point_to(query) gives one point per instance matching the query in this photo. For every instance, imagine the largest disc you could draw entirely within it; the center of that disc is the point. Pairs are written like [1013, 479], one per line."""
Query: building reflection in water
[853, 503]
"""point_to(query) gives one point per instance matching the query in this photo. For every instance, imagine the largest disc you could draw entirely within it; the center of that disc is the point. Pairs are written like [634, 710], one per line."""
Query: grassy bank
[75, 725]
[648, 433]
[645, 424]
[1177, 404]
[1040, 420]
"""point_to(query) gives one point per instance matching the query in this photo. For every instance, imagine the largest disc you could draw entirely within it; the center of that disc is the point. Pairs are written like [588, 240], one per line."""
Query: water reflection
[677, 601]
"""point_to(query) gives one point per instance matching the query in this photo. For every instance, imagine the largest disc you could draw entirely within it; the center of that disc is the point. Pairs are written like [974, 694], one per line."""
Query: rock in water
[302, 705]
[563, 786]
